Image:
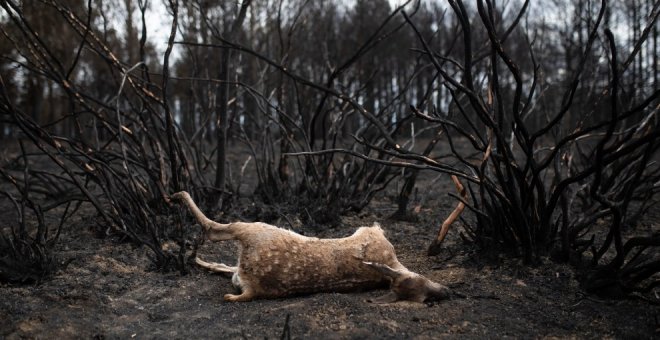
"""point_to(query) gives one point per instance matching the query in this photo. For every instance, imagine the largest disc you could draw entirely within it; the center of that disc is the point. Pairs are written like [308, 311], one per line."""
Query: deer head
[406, 285]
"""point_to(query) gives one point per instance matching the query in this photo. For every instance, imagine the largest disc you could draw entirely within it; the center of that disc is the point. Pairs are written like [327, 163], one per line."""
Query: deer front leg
[216, 267]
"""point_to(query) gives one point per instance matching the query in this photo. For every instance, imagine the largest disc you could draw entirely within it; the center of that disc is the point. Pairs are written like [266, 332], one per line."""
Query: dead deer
[275, 262]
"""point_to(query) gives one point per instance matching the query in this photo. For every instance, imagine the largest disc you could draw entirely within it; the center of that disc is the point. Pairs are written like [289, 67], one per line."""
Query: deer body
[274, 262]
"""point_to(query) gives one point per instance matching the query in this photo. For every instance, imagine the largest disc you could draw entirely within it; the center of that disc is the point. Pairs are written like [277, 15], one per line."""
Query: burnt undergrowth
[548, 163]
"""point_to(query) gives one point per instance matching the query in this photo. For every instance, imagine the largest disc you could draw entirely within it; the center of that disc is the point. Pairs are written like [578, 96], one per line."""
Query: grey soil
[106, 292]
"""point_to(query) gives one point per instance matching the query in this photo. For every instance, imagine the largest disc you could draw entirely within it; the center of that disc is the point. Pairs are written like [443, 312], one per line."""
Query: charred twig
[434, 248]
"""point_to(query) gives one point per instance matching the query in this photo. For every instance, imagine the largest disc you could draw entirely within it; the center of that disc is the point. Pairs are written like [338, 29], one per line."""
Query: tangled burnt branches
[569, 180]
[299, 115]
[124, 155]
[126, 136]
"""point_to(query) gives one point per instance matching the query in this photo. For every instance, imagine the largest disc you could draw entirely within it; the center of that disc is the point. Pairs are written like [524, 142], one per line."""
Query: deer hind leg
[247, 295]
[216, 267]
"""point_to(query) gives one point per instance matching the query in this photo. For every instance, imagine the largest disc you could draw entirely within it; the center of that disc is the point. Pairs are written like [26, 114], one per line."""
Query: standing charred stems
[26, 247]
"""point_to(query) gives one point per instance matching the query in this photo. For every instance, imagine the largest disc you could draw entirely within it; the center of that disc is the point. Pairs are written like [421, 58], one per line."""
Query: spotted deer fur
[275, 262]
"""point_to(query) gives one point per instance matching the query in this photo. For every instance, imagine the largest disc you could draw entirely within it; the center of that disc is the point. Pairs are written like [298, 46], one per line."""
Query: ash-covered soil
[106, 291]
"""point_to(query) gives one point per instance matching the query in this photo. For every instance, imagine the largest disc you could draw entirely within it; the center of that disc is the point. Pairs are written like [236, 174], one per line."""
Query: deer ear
[384, 269]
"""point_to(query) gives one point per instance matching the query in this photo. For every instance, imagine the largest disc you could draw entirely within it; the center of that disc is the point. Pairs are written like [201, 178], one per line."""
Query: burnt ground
[106, 290]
